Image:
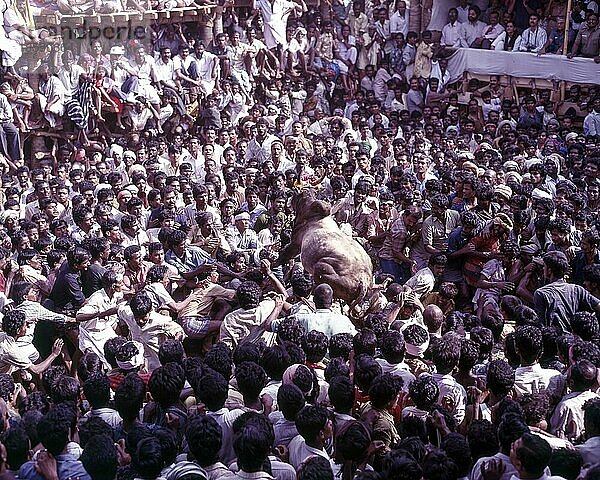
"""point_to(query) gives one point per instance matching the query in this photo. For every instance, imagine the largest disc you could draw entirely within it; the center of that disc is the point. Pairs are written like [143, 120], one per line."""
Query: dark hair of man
[500, 377]
[171, 351]
[438, 466]
[586, 351]
[528, 343]
[148, 460]
[53, 429]
[166, 383]
[34, 401]
[290, 329]
[482, 438]
[458, 450]
[156, 274]
[12, 322]
[585, 324]
[290, 400]
[364, 342]
[204, 437]
[77, 256]
[129, 397]
[340, 345]
[253, 440]
[251, 379]
[91, 427]
[366, 369]
[141, 305]
[302, 284]
[275, 360]
[445, 353]
[557, 263]
[247, 352]
[17, 445]
[566, 463]
[65, 390]
[310, 421]
[534, 454]
[219, 359]
[336, 367]
[469, 354]
[341, 394]
[315, 345]
[384, 389]
[249, 295]
[484, 338]
[100, 458]
[315, 468]
[583, 375]
[511, 428]
[323, 296]
[212, 390]
[535, 407]
[97, 390]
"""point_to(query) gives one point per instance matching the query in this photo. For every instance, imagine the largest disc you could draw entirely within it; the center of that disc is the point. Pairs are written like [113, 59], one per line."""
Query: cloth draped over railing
[523, 64]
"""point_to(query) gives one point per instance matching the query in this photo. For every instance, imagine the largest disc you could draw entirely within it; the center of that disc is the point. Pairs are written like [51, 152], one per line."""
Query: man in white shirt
[148, 327]
[164, 78]
[567, 421]
[399, 19]
[445, 355]
[259, 148]
[530, 377]
[533, 38]
[252, 318]
[207, 66]
[212, 390]
[492, 31]
[69, 74]
[98, 317]
[531, 455]
[315, 430]
[590, 450]
[324, 319]
[509, 430]
[140, 66]
[423, 282]
[393, 349]
[472, 31]
[452, 31]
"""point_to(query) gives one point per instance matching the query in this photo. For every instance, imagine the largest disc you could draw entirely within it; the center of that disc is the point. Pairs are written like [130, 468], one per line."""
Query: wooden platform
[189, 14]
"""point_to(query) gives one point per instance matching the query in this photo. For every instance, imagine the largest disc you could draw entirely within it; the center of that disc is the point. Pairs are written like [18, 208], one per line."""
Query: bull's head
[307, 207]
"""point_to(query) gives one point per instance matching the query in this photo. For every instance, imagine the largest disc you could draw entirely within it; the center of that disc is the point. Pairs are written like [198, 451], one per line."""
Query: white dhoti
[94, 340]
[11, 51]
[54, 113]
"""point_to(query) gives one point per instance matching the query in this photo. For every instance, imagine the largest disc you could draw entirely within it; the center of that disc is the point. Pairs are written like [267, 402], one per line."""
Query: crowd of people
[151, 328]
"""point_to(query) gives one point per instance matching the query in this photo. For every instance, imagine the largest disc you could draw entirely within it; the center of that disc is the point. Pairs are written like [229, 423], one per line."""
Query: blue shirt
[69, 468]
[578, 264]
[193, 258]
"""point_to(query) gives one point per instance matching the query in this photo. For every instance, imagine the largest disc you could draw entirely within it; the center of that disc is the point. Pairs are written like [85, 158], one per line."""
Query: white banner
[523, 64]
